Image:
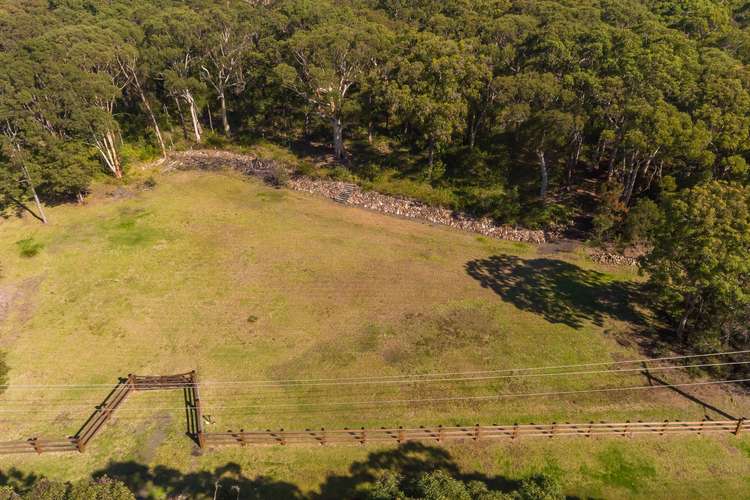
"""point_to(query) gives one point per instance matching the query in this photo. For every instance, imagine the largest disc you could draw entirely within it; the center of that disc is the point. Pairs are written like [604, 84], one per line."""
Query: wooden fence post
[740, 423]
[441, 434]
[363, 440]
[400, 438]
[515, 431]
[322, 436]
[198, 411]
[664, 427]
[477, 434]
[35, 444]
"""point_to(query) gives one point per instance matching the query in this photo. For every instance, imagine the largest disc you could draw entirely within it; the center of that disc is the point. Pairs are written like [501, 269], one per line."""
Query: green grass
[218, 273]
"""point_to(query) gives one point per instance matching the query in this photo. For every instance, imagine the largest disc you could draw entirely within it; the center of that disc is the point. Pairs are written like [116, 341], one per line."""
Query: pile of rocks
[612, 258]
[216, 159]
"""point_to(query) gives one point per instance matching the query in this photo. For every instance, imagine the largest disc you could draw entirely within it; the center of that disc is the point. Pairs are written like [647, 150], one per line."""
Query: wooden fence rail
[441, 434]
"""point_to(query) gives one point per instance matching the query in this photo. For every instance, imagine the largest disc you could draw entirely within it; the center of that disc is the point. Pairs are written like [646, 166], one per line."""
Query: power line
[494, 397]
[390, 382]
[427, 400]
[392, 377]
[233, 385]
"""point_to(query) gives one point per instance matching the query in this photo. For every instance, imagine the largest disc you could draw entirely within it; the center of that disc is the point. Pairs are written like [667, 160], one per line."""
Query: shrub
[215, 140]
[641, 221]
[279, 174]
[547, 216]
[29, 247]
[149, 183]
[609, 213]
[134, 152]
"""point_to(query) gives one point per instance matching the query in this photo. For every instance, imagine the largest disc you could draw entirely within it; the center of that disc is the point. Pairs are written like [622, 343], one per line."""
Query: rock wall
[413, 209]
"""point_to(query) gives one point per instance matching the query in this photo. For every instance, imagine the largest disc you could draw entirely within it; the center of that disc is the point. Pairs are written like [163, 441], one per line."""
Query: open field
[241, 282]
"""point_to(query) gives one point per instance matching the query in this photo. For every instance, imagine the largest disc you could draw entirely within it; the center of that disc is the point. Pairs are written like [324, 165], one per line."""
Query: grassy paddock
[242, 282]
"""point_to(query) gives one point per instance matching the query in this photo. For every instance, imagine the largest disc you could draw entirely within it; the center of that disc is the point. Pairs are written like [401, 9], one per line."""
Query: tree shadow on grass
[225, 483]
[559, 291]
[16, 479]
[409, 461]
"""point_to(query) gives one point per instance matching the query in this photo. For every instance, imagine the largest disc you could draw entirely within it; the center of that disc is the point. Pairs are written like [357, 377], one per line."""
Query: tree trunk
[38, 203]
[573, 159]
[182, 118]
[150, 112]
[682, 325]
[611, 166]
[431, 156]
[224, 120]
[106, 147]
[544, 175]
[370, 124]
[630, 186]
[338, 138]
[113, 154]
[197, 130]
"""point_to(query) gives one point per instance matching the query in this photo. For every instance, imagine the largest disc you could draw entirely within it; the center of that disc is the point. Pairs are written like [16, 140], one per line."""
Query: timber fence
[440, 434]
[188, 383]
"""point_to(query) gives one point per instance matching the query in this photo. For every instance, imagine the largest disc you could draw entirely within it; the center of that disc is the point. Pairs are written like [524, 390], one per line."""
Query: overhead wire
[426, 400]
[214, 387]
[394, 378]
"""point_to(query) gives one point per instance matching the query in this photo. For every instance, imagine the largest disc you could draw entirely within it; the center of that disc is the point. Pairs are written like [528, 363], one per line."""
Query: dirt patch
[156, 437]
[18, 299]
[7, 293]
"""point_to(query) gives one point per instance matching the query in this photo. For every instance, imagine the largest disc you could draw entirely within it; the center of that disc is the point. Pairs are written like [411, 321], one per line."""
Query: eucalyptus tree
[173, 45]
[723, 106]
[699, 267]
[137, 74]
[425, 87]
[80, 81]
[224, 53]
[323, 65]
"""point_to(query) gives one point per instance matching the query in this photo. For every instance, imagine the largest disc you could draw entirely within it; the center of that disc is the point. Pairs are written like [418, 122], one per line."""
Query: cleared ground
[244, 283]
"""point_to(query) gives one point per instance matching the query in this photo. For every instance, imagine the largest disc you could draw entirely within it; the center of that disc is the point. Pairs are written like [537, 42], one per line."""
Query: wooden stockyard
[188, 383]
